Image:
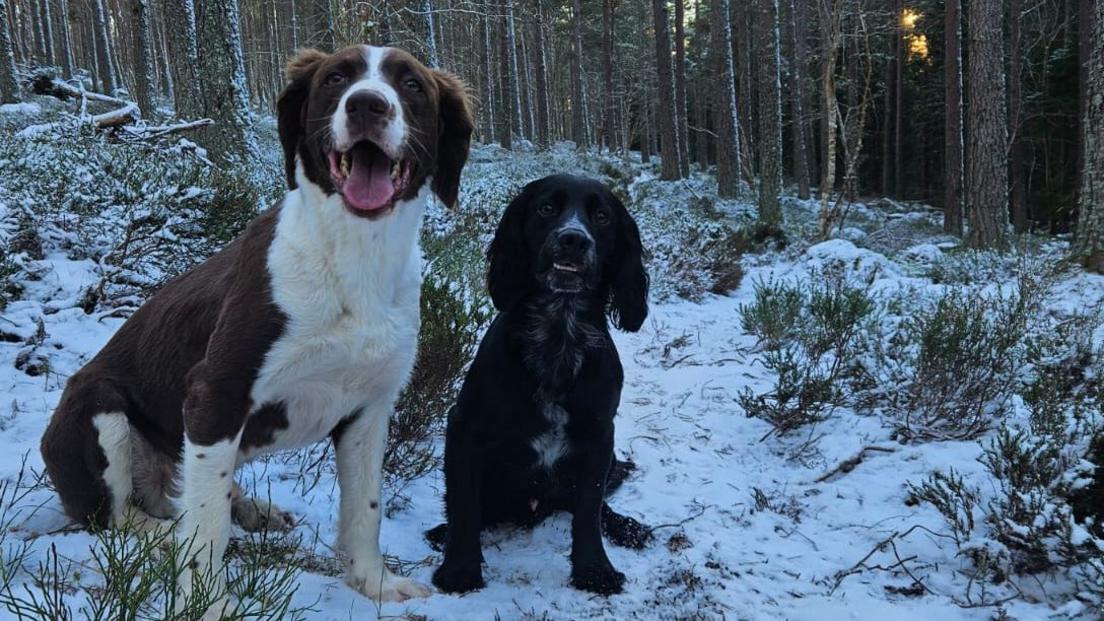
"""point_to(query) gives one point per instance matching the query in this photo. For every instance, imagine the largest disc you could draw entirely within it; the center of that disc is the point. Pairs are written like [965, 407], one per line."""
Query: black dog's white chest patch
[552, 445]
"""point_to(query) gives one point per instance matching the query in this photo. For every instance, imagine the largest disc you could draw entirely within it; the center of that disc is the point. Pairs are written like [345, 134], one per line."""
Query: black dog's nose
[367, 102]
[573, 241]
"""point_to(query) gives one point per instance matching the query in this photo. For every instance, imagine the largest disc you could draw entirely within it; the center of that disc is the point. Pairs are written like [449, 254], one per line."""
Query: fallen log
[47, 85]
[129, 113]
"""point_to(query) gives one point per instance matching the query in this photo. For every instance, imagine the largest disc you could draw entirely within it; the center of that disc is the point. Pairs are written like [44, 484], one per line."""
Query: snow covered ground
[747, 527]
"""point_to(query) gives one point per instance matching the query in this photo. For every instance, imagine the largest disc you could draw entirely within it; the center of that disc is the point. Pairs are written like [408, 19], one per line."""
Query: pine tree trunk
[952, 202]
[431, 30]
[724, 105]
[505, 101]
[222, 79]
[47, 32]
[103, 49]
[1089, 245]
[578, 96]
[898, 105]
[9, 85]
[770, 113]
[1017, 196]
[515, 78]
[143, 58]
[183, 47]
[489, 81]
[665, 109]
[682, 128]
[797, 22]
[745, 78]
[832, 35]
[65, 39]
[607, 74]
[541, 72]
[987, 144]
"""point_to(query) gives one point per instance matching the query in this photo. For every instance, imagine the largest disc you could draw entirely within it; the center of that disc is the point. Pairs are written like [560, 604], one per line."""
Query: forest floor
[750, 524]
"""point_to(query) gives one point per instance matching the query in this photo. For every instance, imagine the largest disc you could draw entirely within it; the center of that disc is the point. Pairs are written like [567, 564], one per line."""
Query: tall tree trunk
[724, 105]
[144, 83]
[541, 76]
[682, 128]
[65, 39]
[987, 146]
[898, 103]
[1089, 246]
[770, 113]
[1018, 194]
[431, 36]
[831, 27]
[745, 77]
[505, 81]
[515, 78]
[952, 202]
[183, 47]
[609, 109]
[9, 85]
[222, 79]
[47, 32]
[578, 93]
[103, 49]
[797, 22]
[665, 109]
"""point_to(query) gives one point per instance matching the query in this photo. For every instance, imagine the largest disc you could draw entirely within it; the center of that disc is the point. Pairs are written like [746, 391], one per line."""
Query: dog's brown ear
[455, 129]
[291, 105]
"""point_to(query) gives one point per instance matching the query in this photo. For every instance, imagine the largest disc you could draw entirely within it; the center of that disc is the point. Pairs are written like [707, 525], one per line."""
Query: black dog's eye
[412, 84]
[602, 218]
[546, 210]
[335, 79]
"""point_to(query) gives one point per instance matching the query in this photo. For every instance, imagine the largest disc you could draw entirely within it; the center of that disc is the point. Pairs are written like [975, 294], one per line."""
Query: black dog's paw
[627, 533]
[452, 578]
[598, 578]
[437, 536]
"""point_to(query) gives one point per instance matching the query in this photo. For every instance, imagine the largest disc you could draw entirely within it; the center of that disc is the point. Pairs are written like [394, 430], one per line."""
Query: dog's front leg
[461, 569]
[360, 448]
[213, 422]
[591, 569]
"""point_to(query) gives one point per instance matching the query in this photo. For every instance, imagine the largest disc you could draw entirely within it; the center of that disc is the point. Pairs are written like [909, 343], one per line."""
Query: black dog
[532, 431]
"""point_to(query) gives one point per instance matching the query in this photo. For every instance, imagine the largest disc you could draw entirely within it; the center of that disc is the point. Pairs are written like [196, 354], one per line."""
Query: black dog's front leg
[460, 571]
[591, 569]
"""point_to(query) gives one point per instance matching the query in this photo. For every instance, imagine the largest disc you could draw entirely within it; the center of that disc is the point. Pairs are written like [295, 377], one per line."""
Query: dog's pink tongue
[369, 184]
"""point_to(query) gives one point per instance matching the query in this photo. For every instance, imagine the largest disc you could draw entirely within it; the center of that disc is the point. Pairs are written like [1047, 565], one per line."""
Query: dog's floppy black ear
[508, 272]
[291, 104]
[629, 290]
[454, 136]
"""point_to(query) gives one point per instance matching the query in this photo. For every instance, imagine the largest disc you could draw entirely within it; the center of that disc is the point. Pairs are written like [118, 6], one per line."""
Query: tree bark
[9, 85]
[504, 99]
[770, 112]
[1089, 245]
[222, 79]
[144, 83]
[724, 105]
[609, 109]
[1018, 193]
[987, 146]
[668, 146]
[65, 39]
[47, 32]
[183, 47]
[489, 81]
[541, 77]
[578, 96]
[682, 127]
[797, 22]
[515, 88]
[431, 32]
[103, 49]
[952, 202]
[832, 35]
[317, 24]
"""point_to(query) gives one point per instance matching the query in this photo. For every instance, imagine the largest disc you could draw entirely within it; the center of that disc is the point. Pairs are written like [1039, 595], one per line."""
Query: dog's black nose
[367, 102]
[573, 241]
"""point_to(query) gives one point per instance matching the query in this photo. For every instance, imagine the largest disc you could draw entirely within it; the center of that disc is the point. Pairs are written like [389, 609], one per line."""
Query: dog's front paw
[600, 578]
[387, 587]
[454, 578]
[628, 533]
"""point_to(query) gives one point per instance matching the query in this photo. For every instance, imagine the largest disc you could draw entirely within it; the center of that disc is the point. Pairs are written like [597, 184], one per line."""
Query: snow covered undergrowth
[750, 524]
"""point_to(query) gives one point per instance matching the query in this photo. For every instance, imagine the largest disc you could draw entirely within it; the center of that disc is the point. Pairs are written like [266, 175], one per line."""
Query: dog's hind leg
[624, 531]
[256, 515]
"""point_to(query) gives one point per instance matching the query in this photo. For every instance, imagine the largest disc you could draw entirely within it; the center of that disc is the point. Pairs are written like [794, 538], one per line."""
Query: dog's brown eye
[546, 209]
[335, 79]
[412, 85]
[602, 218]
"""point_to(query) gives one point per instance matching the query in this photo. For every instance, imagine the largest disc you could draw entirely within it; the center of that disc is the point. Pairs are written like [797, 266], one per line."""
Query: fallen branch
[156, 131]
[129, 113]
[46, 85]
[849, 464]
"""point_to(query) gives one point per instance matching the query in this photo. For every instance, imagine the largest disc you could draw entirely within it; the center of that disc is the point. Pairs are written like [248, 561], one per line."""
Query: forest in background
[979, 107]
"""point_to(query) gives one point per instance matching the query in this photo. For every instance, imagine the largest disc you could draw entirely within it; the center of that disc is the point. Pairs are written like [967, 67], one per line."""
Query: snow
[750, 528]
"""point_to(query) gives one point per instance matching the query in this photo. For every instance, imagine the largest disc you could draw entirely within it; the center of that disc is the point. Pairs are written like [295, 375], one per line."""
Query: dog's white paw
[387, 587]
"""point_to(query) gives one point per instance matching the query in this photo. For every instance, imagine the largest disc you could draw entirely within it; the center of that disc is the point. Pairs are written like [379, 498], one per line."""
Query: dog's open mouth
[367, 178]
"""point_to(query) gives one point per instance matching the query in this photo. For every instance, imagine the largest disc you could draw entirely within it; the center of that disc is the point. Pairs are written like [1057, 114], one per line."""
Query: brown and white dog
[302, 328]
